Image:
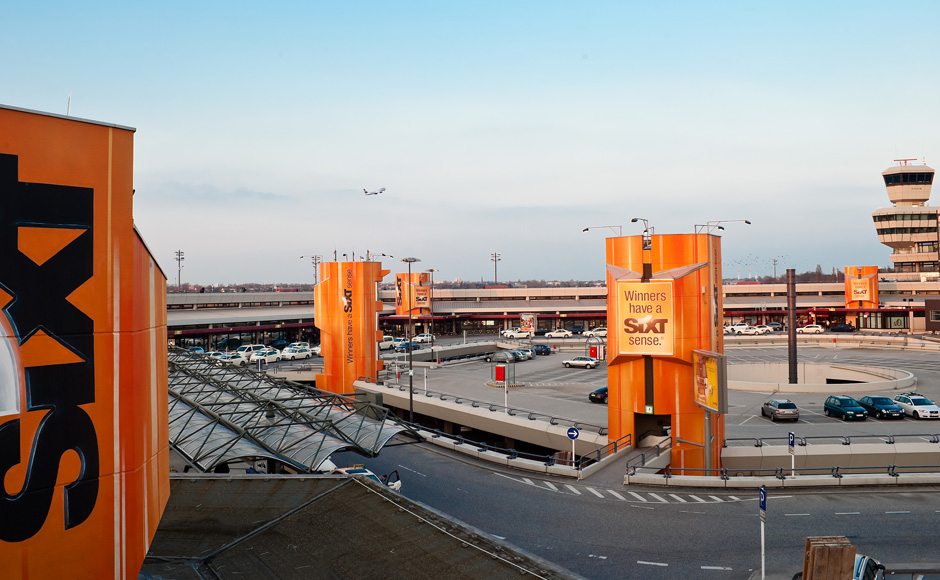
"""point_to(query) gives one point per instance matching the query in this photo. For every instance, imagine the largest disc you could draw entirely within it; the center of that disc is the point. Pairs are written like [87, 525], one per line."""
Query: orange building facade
[414, 294]
[663, 303]
[347, 309]
[84, 464]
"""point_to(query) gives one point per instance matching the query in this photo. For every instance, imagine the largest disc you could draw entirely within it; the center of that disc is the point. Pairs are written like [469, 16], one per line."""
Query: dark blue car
[542, 349]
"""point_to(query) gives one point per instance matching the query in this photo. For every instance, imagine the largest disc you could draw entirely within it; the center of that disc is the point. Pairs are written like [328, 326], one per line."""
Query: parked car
[406, 346]
[196, 350]
[881, 407]
[518, 355]
[237, 359]
[299, 344]
[844, 408]
[778, 409]
[575, 329]
[500, 356]
[506, 331]
[752, 330]
[541, 331]
[517, 334]
[728, 330]
[810, 329]
[421, 338]
[215, 354]
[917, 406]
[392, 480]
[268, 355]
[842, 328]
[542, 349]
[598, 395]
[738, 325]
[249, 349]
[278, 344]
[315, 349]
[596, 332]
[581, 361]
[387, 342]
[775, 326]
[559, 333]
[528, 352]
[763, 329]
[295, 352]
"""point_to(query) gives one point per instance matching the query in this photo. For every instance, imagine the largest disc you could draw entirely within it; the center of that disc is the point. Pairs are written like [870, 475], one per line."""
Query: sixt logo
[645, 325]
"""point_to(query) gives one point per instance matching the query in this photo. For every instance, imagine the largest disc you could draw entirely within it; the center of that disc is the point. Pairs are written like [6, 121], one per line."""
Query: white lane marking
[645, 563]
[716, 568]
[412, 470]
[638, 496]
[659, 498]
[746, 420]
[716, 498]
[848, 513]
[905, 512]
[697, 498]
[525, 480]
[574, 490]
[734, 498]
[616, 495]
[645, 507]
[551, 486]
[690, 512]
[796, 514]
[677, 498]
[595, 492]
[499, 537]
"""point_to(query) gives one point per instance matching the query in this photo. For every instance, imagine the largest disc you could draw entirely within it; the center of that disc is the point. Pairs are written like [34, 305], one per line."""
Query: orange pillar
[346, 310]
[656, 324]
[84, 470]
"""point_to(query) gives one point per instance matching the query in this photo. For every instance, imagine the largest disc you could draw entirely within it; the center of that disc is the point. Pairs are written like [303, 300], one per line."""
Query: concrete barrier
[773, 377]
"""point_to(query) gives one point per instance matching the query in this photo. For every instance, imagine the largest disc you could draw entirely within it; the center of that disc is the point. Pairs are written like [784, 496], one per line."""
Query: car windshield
[920, 401]
[881, 401]
[787, 406]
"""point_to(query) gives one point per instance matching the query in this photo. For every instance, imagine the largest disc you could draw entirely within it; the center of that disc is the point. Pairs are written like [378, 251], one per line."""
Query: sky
[495, 127]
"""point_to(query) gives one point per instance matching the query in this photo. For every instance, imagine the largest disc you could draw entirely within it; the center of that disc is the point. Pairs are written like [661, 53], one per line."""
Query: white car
[424, 338]
[810, 329]
[387, 342]
[295, 352]
[214, 354]
[517, 334]
[268, 356]
[581, 361]
[250, 349]
[738, 326]
[508, 330]
[752, 330]
[234, 358]
[917, 406]
[299, 344]
[392, 481]
[560, 333]
[596, 332]
[763, 329]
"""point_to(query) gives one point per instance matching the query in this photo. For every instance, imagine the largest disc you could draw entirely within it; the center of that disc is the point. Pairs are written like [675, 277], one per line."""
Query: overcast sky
[495, 126]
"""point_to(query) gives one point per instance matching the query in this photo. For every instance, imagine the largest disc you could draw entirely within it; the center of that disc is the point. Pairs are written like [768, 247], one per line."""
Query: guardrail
[654, 452]
[494, 407]
[844, 439]
[836, 471]
[892, 340]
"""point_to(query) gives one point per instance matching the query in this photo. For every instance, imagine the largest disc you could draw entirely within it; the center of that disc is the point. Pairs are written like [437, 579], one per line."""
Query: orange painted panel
[413, 295]
[686, 304]
[83, 445]
[861, 286]
[346, 310]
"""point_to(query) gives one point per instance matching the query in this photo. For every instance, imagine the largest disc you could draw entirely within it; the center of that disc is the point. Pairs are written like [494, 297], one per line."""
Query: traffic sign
[573, 433]
[762, 499]
[791, 443]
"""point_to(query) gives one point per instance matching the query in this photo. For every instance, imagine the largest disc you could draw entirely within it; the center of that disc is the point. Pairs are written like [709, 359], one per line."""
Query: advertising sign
[860, 290]
[528, 322]
[710, 388]
[645, 317]
[422, 297]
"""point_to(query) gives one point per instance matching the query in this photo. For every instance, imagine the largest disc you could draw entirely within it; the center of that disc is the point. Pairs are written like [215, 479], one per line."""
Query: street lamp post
[709, 227]
[431, 302]
[495, 258]
[411, 372]
[617, 229]
[315, 260]
[179, 268]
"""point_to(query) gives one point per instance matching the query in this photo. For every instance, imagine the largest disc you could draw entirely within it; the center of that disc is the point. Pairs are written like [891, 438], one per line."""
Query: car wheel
[567, 365]
[590, 366]
[773, 418]
[879, 415]
[916, 415]
[827, 413]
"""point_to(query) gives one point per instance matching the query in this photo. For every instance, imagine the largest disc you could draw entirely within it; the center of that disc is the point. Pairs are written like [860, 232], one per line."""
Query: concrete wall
[854, 458]
[772, 377]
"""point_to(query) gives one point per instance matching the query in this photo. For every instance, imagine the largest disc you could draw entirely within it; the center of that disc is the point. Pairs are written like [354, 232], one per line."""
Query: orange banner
[644, 317]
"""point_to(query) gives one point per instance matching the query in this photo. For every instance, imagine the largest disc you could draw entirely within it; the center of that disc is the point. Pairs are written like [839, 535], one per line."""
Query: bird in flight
[367, 192]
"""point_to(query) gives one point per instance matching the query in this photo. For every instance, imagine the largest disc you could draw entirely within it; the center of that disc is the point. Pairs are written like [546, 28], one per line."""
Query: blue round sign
[573, 433]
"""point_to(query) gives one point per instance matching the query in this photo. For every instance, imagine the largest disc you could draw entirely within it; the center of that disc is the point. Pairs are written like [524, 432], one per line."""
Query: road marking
[412, 470]
[659, 498]
[638, 496]
[616, 495]
[746, 420]
[796, 514]
[848, 513]
[645, 563]
[574, 490]
[716, 498]
[689, 512]
[525, 480]
[697, 498]
[732, 497]
[645, 507]
[716, 568]
[551, 486]
[677, 498]
[906, 512]
[595, 492]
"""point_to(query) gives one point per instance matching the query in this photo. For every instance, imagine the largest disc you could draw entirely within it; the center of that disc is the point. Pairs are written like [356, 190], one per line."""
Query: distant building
[909, 228]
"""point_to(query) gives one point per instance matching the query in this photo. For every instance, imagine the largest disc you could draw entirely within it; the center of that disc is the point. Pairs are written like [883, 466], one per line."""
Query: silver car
[581, 361]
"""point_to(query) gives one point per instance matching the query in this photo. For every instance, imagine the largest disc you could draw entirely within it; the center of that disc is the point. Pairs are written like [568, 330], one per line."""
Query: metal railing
[844, 439]
[639, 461]
[836, 471]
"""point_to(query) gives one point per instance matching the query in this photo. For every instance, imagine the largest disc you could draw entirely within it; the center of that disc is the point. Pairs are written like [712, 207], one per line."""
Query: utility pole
[179, 268]
[315, 260]
[495, 258]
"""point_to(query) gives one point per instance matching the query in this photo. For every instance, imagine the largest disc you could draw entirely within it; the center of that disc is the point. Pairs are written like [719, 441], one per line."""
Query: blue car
[542, 349]
[403, 346]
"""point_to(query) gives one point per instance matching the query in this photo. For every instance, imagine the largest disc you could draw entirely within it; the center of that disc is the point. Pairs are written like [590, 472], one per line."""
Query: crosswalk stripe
[551, 486]
[734, 498]
[595, 492]
[527, 481]
[638, 496]
[697, 498]
[616, 495]
[677, 498]
[574, 490]
[716, 498]
[659, 498]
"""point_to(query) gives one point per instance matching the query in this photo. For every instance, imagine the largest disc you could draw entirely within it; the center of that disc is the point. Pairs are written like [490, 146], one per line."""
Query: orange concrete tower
[663, 302]
[346, 309]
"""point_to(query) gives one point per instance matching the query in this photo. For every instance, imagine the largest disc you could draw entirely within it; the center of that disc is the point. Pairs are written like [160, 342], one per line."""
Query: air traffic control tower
[909, 228]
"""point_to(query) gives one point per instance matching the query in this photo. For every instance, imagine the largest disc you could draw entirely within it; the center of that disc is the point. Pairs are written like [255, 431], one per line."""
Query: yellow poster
[861, 289]
[645, 317]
